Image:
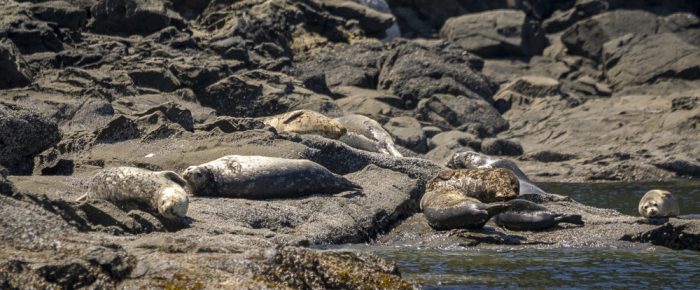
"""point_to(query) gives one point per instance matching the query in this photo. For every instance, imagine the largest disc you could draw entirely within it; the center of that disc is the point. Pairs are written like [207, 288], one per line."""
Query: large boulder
[586, 37]
[408, 133]
[633, 60]
[62, 13]
[15, 70]
[30, 36]
[420, 69]
[496, 33]
[471, 114]
[132, 17]
[24, 134]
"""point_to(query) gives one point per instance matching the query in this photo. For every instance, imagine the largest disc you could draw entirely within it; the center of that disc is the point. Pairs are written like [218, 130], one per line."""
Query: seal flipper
[382, 137]
[172, 175]
[570, 219]
[344, 184]
[82, 198]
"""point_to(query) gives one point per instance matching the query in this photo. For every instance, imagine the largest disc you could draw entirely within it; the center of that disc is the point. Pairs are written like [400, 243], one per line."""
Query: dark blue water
[641, 266]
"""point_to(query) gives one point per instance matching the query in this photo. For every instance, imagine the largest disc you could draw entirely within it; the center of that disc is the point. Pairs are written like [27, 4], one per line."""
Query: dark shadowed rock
[62, 13]
[29, 35]
[684, 103]
[24, 134]
[159, 79]
[682, 167]
[550, 156]
[15, 71]
[132, 17]
[496, 146]
[371, 103]
[676, 234]
[496, 33]
[408, 133]
[471, 114]
[372, 21]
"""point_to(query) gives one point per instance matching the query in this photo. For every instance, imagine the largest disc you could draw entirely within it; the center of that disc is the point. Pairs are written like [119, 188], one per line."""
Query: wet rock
[470, 114]
[496, 33]
[676, 234]
[24, 134]
[645, 59]
[587, 37]
[416, 70]
[15, 70]
[408, 133]
[682, 167]
[132, 17]
[495, 146]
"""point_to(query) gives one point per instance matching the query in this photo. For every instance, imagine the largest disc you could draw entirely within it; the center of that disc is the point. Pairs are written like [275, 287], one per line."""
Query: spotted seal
[658, 203]
[306, 122]
[528, 189]
[367, 134]
[260, 177]
[485, 184]
[524, 215]
[164, 191]
[447, 209]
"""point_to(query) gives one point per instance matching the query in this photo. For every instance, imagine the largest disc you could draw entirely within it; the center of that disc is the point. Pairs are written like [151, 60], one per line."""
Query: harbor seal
[447, 209]
[367, 134]
[163, 191]
[528, 189]
[260, 177]
[658, 203]
[485, 184]
[306, 122]
[524, 215]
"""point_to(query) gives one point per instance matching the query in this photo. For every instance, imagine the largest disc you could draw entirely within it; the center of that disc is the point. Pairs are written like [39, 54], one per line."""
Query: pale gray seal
[528, 189]
[485, 184]
[658, 203]
[163, 191]
[367, 134]
[306, 122]
[447, 209]
[260, 177]
[524, 215]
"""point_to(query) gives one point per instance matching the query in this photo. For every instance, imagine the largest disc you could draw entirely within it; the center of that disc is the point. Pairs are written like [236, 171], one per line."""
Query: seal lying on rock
[525, 215]
[160, 190]
[306, 122]
[367, 134]
[658, 203]
[260, 177]
[484, 184]
[471, 159]
[447, 209]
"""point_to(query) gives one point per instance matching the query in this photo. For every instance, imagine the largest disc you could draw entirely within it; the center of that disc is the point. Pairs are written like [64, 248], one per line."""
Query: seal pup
[658, 203]
[485, 184]
[261, 177]
[306, 122]
[447, 209]
[160, 190]
[471, 159]
[524, 215]
[367, 134]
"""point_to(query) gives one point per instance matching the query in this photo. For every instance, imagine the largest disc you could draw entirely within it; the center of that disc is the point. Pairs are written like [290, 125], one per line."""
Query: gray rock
[561, 20]
[471, 114]
[132, 17]
[408, 133]
[24, 134]
[371, 103]
[29, 35]
[455, 137]
[372, 21]
[495, 146]
[550, 156]
[496, 33]
[159, 79]
[15, 70]
[586, 38]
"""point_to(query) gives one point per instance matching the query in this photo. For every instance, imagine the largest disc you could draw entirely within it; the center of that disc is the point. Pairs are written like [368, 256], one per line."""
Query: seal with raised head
[524, 215]
[447, 209]
[306, 122]
[485, 184]
[261, 177]
[471, 159]
[163, 191]
[367, 134]
[658, 203]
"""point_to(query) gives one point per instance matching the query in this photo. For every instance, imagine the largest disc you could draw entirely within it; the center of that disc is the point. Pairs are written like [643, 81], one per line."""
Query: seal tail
[392, 150]
[344, 184]
[571, 219]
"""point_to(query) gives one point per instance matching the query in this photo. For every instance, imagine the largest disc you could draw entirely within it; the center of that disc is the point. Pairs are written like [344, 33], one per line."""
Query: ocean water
[642, 266]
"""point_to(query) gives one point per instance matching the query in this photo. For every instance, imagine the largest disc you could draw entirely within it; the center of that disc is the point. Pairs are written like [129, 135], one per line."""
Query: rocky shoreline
[584, 91]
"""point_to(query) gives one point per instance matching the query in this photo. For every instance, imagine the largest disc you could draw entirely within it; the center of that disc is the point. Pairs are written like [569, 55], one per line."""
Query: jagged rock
[15, 71]
[29, 35]
[586, 38]
[676, 234]
[132, 17]
[471, 114]
[24, 134]
[370, 103]
[418, 70]
[561, 20]
[408, 133]
[156, 78]
[496, 33]
[372, 21]
[62, 13]
[684, 103]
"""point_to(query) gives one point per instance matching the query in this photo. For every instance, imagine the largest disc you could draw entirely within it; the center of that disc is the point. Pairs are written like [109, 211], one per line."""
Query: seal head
[658, 203]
